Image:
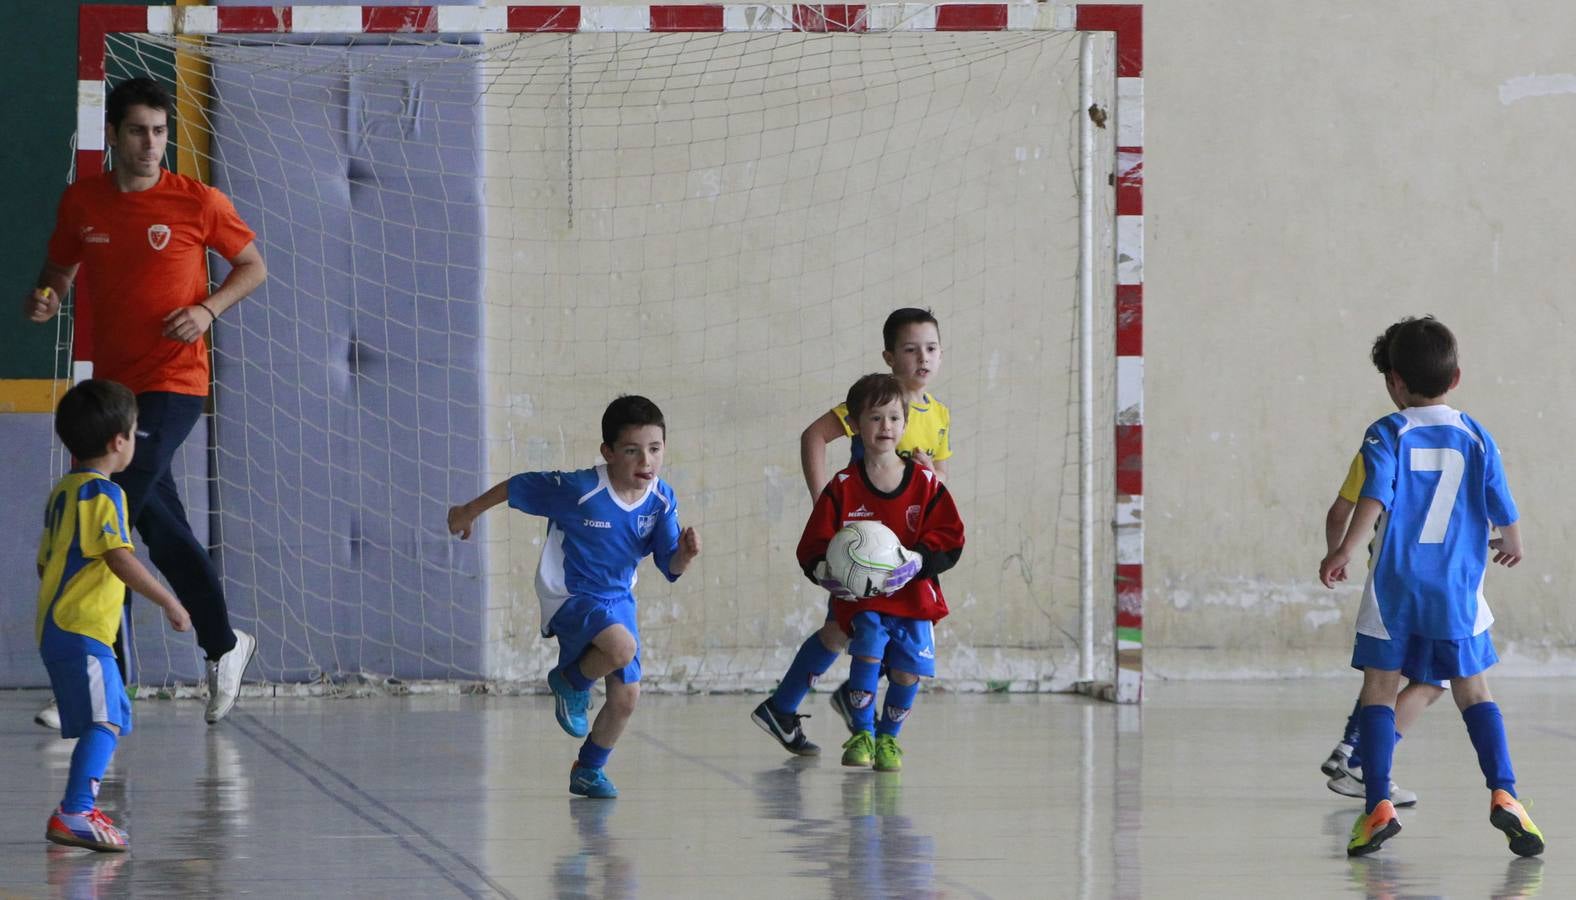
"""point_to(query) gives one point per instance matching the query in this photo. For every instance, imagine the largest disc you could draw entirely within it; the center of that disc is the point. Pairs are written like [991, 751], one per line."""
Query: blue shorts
[1426, 659]
[88, 689]
[581, 619]
[903, 645]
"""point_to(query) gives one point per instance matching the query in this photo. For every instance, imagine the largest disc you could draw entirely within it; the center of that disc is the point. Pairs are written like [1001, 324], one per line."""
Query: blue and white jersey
[595, 541]
[1439, 476]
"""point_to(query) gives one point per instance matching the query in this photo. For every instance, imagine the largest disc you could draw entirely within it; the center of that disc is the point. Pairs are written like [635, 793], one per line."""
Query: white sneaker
[224, 676]
[1336, 762]
[1350, 784]
[48, 717]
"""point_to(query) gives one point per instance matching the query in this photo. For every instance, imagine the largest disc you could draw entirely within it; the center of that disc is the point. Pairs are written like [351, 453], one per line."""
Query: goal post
[482, 222]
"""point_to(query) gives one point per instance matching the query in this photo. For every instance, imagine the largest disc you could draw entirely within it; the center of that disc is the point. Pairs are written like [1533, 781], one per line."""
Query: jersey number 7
[1450, 464]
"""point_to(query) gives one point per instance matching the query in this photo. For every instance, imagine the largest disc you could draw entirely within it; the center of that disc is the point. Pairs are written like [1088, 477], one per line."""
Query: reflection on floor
[1211, 790]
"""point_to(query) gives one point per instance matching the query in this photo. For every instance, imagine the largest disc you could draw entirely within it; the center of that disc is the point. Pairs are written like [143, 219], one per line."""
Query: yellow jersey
[1352, 487]
[79, 598]
[926, 431]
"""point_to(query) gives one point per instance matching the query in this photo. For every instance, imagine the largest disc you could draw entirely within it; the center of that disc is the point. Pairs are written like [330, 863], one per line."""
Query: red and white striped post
[1126, 23]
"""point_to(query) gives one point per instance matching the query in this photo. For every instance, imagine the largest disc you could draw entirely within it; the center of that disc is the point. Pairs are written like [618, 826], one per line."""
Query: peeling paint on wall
[1525, 87]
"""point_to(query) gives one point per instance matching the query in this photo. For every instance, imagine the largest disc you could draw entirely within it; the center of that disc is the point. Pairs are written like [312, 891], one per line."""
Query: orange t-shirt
[143, 254]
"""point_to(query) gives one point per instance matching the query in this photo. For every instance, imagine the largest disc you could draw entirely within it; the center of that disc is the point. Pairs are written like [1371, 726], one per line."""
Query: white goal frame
[1124, 23]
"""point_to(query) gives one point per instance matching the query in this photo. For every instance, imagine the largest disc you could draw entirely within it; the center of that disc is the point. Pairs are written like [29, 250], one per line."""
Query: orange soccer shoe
[1508, 815]
[1373, 829]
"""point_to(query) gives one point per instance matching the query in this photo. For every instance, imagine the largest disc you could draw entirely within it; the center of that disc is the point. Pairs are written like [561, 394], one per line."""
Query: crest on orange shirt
[158, 236]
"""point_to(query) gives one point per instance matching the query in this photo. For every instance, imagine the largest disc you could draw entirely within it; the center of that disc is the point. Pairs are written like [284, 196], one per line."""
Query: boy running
[601, 523]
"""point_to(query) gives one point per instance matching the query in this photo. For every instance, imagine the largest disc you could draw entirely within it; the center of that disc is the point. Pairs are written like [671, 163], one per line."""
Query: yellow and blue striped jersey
[79, 598]
[926, 431]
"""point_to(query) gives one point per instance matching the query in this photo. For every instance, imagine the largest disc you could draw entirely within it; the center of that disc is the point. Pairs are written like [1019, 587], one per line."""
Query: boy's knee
[618, 644]
[624, 654]
[1469, 692]
[903, 678]
[1380, 686]
[832, 637]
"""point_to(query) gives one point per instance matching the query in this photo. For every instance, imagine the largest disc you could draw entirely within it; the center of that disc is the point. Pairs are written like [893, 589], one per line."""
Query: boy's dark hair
[92, 413]
[872, 390]
[908, 315]
[137, 92]
[630, 411]
[1380, 354]
[1423, 355]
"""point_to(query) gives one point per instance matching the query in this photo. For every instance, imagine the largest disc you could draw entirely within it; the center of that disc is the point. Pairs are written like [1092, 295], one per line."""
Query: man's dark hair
[1423, 355]
[92, 413]
[137, 92]
[908, 315]
[874, 390]
[630, 411]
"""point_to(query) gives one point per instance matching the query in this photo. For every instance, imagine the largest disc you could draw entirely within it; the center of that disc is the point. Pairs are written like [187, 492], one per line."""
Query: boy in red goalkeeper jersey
[892, 629]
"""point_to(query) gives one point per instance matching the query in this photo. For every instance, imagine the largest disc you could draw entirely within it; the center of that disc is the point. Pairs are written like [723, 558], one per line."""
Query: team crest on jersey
[644, 524]
[911, 516]
[158, 236]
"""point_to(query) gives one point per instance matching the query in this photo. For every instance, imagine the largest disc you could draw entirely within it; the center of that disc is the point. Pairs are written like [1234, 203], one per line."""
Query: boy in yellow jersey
[1343, 767]
[85, 565]
[913, 351]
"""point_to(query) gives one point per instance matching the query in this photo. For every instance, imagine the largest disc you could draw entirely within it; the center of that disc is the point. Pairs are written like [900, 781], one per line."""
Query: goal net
[475, 241]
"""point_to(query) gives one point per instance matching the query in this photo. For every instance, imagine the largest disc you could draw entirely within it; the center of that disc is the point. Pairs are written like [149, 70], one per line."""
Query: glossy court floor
[1211, 790]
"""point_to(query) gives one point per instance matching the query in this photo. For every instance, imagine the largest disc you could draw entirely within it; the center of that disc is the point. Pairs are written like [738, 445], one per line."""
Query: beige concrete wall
[1316, 171]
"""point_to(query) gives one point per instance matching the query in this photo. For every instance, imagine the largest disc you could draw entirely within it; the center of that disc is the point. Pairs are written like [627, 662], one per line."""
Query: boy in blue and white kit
[602, 522]
[85, 564]
[1343, 767]
[1434, 488]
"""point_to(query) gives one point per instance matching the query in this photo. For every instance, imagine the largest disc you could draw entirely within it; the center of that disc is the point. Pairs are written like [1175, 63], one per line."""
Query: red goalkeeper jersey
[920, 512]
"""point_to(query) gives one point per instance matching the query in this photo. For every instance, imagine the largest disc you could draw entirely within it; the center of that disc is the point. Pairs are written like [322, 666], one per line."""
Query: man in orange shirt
[139, 235]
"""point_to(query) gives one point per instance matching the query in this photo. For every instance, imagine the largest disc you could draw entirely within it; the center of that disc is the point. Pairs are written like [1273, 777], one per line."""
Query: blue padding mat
[348, 412]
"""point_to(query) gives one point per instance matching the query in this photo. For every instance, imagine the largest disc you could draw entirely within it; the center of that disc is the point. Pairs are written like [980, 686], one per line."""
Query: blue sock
[594, 756]
[1353, 735]
[899, 700]
[1354, 731]
[1486, 727]
[1378, 746]
[864, 679]
[576, 678]
[810, 663]
[88, 762]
